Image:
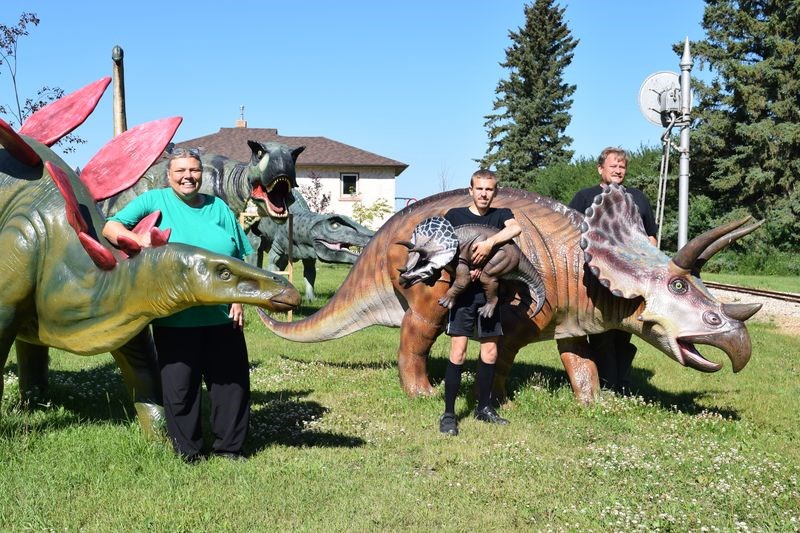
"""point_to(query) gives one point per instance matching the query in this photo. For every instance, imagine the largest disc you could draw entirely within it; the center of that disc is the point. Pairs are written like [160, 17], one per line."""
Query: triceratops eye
[678, 286]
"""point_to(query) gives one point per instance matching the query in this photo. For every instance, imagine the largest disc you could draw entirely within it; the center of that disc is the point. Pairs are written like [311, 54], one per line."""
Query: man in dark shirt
[612, 350]
[463, 320]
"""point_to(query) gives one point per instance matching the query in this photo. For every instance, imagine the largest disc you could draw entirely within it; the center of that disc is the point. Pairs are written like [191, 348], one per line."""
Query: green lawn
[772, 283]
[337, 446]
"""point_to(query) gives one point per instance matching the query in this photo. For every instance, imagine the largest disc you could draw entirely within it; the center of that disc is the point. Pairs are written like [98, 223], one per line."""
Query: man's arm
[482, 250]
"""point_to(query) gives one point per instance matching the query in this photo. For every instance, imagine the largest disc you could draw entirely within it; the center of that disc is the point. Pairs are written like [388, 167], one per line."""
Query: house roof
[320, 151]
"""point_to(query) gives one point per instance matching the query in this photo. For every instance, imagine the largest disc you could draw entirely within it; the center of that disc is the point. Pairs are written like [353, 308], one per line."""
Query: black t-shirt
[494, 217]
[585, 197]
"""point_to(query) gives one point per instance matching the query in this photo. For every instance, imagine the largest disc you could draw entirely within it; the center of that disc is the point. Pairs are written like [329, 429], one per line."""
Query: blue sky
[408, 80]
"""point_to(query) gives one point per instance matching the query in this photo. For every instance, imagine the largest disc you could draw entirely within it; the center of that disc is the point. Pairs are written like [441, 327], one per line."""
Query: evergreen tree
[746, 146]
[526, 132]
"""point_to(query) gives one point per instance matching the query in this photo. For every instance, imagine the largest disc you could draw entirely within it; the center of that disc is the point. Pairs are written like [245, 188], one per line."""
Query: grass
[337, 446]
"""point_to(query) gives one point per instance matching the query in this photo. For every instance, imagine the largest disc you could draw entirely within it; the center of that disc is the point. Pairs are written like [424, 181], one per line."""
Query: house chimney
[241, 123]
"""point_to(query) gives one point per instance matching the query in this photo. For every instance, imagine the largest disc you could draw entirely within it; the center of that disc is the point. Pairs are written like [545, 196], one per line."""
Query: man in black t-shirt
[613, 351]
[463, 320]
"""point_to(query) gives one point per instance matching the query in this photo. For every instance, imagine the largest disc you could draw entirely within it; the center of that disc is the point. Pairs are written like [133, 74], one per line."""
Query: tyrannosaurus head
[272, 177]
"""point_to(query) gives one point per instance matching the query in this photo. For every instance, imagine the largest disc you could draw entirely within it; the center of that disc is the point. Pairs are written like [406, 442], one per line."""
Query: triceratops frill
[598, 271]
[63, 287]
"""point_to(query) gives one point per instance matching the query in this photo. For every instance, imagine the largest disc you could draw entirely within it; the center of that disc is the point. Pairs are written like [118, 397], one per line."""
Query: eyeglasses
[174, 152]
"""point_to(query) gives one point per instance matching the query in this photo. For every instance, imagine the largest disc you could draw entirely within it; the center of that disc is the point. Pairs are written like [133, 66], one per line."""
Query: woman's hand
[237, 315]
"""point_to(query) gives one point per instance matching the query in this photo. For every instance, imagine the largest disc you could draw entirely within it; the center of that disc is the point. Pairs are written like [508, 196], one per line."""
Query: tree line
[745, 151]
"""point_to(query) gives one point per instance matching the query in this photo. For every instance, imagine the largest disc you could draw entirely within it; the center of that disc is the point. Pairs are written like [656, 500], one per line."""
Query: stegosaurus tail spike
[17, 146]
[123, 160]
[52, 122]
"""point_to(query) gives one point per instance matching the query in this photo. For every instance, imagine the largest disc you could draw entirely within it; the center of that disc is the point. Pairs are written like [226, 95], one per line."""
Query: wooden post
[120, 119]
[290, 265]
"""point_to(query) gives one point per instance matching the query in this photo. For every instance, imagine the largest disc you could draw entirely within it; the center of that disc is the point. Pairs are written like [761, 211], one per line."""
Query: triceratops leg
[32, 368]
[417, 335]
[137, 361]
[581, 370]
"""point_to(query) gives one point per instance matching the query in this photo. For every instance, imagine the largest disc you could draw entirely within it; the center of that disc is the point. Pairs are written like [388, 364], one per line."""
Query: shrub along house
[348, 174]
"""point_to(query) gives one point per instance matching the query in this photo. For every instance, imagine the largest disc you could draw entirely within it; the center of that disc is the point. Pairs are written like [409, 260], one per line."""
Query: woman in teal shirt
[202, 343]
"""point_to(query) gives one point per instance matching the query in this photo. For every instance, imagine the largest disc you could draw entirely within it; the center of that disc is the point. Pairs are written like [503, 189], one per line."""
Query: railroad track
[784, 296]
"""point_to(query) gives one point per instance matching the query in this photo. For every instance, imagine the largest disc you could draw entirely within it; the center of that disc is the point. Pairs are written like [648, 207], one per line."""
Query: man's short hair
[482, 174]
[619, 152]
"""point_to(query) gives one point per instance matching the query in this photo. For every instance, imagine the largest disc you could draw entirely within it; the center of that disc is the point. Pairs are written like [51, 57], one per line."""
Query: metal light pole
[683, 176]
[665, 99]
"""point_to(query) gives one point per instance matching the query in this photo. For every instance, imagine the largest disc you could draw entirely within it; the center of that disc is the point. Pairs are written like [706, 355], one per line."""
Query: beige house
[348, 174]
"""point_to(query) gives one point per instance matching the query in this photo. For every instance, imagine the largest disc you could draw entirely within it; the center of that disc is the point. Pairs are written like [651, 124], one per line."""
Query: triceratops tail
[366, 298]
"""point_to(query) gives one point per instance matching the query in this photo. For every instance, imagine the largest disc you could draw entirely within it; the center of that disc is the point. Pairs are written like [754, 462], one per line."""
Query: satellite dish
[659, 96]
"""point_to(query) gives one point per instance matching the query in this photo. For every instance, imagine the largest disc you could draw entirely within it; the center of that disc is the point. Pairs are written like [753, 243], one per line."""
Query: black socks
[452, 382]
[484, 379]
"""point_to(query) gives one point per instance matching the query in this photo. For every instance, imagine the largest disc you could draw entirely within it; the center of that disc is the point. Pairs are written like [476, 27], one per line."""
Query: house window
[349, 184]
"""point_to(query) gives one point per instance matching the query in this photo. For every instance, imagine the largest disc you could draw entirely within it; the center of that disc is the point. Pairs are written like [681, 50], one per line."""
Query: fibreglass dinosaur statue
[437, 245]
[268, 180]
[63, 285]
[326, 237]
[599, 272]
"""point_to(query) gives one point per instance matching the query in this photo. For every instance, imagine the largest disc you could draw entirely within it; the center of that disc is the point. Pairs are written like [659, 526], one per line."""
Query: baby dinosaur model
[599, 272]
[64, 286]
[436, 245]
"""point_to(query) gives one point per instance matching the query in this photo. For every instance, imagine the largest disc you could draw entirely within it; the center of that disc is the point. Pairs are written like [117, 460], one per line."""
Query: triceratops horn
[407, 244]
[740, 311]
[721, 243]
[691, 251]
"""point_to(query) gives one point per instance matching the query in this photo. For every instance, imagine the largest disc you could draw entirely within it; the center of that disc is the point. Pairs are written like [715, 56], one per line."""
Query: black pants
[613, 354]
[216, 355]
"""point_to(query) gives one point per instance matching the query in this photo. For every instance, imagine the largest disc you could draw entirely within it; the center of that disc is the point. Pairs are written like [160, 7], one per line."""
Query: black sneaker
[488, 414]
[231, 456]
[448, 424]
[193, 459]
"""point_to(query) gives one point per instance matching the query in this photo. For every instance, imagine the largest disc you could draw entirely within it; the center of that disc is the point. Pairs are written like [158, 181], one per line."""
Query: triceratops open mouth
[735, 343]
[275, 196]
[693, 359]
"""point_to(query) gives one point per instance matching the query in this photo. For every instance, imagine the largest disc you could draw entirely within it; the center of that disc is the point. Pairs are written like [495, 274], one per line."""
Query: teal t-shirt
[212, 226]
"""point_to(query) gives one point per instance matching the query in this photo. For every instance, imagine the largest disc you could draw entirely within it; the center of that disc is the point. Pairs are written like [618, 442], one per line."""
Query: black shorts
[463, 319]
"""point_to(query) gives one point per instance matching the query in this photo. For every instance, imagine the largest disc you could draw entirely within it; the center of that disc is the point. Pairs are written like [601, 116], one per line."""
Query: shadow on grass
[76, 397]
[283, 418]
[551, 379]
[99, 395]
